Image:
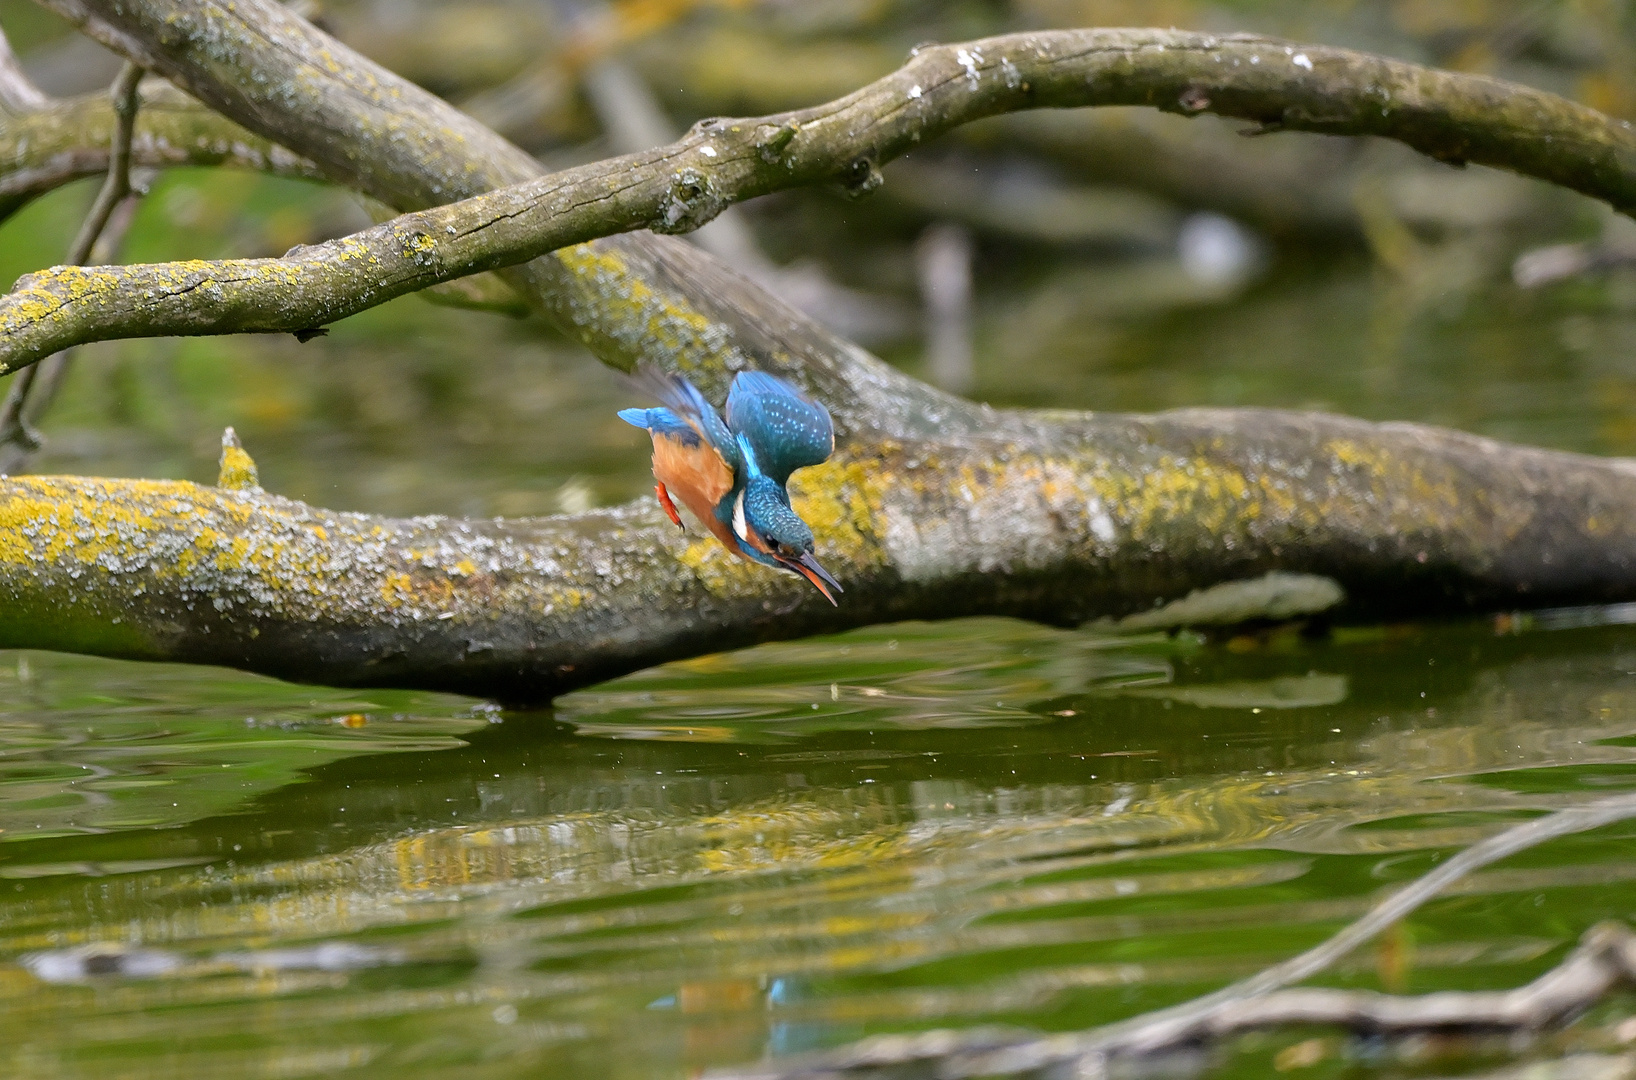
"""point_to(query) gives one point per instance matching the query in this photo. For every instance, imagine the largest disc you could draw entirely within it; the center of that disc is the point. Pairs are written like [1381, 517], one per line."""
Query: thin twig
[118, 184]
[72, 139]
[18, 94]
[1605, 957]
[682, 186]
[24, 405]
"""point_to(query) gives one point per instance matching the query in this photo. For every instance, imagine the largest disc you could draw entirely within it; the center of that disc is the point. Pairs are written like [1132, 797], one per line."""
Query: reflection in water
[774, 850]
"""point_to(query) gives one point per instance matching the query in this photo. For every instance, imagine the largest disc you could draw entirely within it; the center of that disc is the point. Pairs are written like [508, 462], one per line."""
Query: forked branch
[1451, 116]
[35, 387]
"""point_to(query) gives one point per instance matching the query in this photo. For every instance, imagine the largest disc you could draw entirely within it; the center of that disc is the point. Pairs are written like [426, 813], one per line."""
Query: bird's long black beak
[808, 567]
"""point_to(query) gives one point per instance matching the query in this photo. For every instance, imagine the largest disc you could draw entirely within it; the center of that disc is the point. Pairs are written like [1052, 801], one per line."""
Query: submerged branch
[1605, 958]
[677, 188]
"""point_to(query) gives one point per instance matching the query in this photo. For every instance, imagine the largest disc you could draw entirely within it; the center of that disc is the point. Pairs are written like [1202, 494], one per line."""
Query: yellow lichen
[666, 323]
[1205, 493]
[843, 500]
[721, 573]
[238, 470]
[1347, 452]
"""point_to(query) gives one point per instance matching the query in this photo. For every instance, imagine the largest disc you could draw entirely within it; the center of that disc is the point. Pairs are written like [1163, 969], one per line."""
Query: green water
[775, 850]
[205, 874]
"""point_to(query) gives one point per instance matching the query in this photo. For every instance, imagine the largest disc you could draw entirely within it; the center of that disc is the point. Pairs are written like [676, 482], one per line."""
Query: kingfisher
[732, 475]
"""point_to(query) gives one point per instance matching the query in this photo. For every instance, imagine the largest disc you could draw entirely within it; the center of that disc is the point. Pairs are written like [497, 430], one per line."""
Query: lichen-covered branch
[69, 139]
[934, 507]
[18, 438]
[684, 185]
[1060, 520]
[627, 297]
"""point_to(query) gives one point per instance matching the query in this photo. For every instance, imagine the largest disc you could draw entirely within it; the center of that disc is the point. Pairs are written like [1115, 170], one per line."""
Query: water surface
[205, 874]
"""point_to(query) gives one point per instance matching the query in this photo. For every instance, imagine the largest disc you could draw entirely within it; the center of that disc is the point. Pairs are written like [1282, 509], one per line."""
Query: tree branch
[372, 131]
[935, 507]
[70, 139]
[1059, 519]
[684, 185]
[628, 298]
[18, 94]
[1605, 958]
[118, 184]
[18, 439]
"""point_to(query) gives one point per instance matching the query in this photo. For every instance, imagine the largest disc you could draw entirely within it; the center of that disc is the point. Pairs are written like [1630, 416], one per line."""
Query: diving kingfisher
[732, 475]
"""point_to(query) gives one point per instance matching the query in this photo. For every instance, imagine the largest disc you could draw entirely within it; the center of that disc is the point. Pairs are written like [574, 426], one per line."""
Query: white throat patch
[739, 526]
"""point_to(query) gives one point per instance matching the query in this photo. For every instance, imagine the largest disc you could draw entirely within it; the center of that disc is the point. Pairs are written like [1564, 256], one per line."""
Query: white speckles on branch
[1301, 61]
[1102, 526]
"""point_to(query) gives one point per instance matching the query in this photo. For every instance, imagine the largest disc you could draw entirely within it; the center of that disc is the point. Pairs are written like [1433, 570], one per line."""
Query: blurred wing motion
[783, 430]
[694, 455]
[684, 402]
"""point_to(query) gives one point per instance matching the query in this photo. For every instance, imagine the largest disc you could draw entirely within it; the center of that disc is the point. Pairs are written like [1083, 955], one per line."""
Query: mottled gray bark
[677, 188]
[933, 506]
[1060, 519]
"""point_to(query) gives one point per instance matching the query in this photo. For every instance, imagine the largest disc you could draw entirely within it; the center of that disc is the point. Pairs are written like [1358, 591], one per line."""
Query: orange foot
[670, 507]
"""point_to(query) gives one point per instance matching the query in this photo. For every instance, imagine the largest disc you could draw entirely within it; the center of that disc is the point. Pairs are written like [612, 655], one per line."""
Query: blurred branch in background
[69, 139]
[18, 94]
[634, 122]
[685, 185]
[1542, 266]
[32, 391]
[943, 256]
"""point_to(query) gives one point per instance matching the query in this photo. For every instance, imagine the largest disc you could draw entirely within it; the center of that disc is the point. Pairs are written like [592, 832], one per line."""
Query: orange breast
[697, 476]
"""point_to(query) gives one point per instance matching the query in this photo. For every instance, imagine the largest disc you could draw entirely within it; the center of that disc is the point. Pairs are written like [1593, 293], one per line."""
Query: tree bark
[1059, 519]
[933, 506]
[680, 187]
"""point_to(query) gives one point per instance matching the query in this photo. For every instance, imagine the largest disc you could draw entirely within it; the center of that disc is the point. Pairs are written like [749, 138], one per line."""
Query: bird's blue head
[773, 534]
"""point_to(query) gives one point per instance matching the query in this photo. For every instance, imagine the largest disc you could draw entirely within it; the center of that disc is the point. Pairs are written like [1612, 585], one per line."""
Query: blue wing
[686, 406]
[783, 430]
